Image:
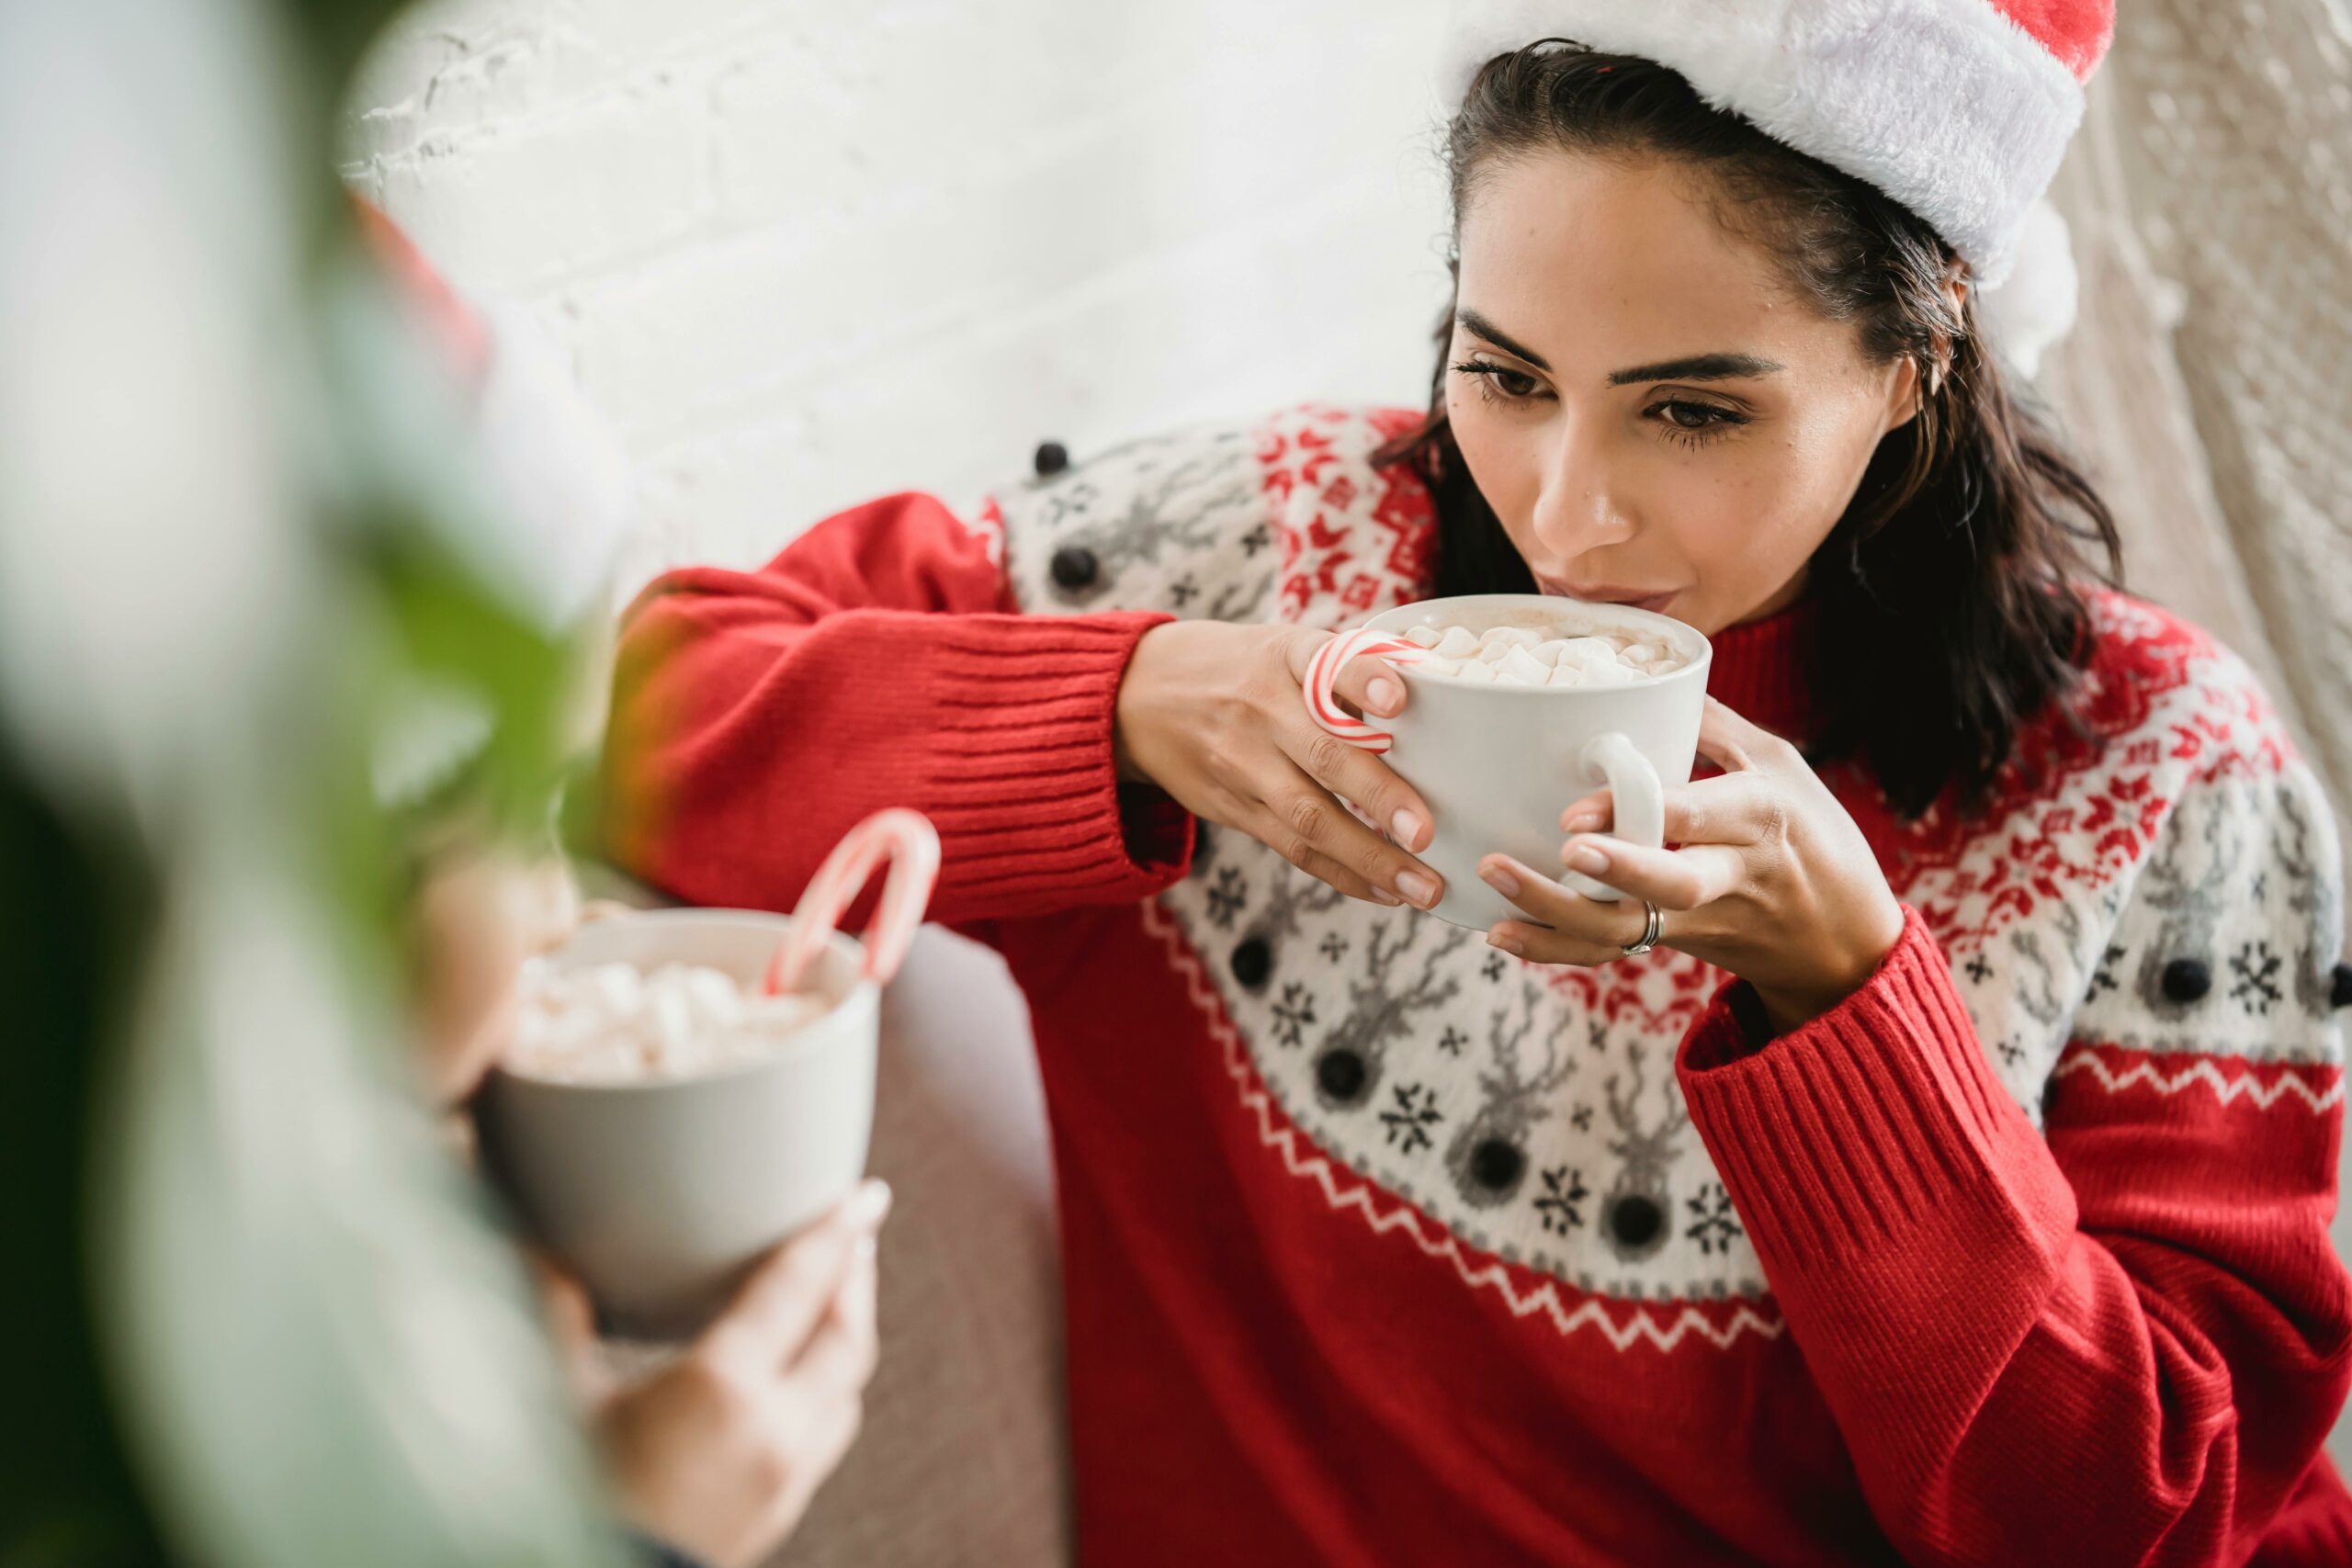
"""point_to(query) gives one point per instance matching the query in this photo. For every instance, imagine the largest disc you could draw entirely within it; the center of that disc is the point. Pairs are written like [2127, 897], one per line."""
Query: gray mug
[660, 1195]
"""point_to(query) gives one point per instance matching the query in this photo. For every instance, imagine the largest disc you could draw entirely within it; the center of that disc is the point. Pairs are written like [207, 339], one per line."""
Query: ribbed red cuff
[1890, 1184]
[1023, 783]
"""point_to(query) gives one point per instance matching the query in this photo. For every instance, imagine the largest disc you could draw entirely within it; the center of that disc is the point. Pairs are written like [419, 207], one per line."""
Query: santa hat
[1959, 109]
[566, 488]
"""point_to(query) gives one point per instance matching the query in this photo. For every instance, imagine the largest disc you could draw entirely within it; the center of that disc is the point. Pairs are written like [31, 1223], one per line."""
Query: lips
[1631, 598]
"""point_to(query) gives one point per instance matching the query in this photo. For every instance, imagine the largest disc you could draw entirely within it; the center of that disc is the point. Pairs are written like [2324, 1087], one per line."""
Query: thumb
[1732, 741]
[788, 1295]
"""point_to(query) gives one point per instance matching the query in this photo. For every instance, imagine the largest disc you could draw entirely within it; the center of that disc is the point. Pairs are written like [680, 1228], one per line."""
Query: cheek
[1794, 485]
[1715, 531]
[1749, 518]
[1820, 460]
[1501, 459]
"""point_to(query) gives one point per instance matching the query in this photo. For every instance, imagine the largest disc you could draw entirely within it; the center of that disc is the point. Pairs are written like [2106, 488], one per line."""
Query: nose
[1578, 508]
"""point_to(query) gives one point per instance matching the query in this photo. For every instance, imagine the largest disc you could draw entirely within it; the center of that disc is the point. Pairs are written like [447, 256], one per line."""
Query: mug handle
[1640, 804]
[911, 844]
[1323, 673]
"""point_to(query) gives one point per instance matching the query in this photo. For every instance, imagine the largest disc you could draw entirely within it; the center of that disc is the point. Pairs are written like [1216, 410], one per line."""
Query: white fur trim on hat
[2033, 309]
[569, 489]
[1946, 105]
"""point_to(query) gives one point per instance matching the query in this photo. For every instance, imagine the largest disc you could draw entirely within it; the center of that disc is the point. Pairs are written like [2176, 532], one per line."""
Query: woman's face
[1655, 415]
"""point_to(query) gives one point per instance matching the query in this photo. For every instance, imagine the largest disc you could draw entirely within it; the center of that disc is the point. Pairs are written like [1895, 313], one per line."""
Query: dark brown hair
[1948, 610]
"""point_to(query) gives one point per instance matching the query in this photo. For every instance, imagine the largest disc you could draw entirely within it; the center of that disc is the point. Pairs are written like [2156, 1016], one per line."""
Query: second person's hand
[720, 1452]
[1211, 712]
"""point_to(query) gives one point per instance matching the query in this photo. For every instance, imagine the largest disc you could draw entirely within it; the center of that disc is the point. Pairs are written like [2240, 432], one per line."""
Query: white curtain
[2210, 379]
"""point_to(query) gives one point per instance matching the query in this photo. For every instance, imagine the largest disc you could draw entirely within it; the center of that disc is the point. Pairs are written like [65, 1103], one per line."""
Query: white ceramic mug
[660, 1193]
[1497, 763]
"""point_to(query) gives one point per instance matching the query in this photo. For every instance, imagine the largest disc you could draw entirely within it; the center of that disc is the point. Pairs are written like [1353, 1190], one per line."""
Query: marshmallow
[1519, 656]
[1595, 675]
[610, 1024]
[1587, 651]
[1521, 666]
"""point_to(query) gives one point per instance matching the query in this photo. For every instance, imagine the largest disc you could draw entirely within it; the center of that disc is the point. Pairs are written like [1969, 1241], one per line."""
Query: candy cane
[1323, 674]
[911, 844]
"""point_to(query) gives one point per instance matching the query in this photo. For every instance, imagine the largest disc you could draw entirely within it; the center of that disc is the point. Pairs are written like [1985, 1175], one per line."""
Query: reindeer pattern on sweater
[2173, 896]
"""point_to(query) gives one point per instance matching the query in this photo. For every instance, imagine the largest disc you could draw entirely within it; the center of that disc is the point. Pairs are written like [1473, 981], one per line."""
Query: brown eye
[1691, 422]
[1500, 383]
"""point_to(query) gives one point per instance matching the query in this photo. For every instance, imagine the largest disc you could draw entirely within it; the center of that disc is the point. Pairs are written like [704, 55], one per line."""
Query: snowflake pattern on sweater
[2173, 891]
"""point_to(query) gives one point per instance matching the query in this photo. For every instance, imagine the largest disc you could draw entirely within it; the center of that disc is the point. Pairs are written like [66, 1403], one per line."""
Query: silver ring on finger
[1653, 929]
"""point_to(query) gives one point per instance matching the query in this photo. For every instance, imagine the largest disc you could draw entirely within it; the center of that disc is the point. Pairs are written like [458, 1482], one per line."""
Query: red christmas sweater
[1384, 1248]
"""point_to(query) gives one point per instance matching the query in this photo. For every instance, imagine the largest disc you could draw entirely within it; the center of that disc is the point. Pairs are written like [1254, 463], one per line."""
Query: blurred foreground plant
[256, 649]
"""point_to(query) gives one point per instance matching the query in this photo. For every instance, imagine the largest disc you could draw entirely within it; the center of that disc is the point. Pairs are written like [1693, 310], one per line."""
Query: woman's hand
[720, 1452]
[1772, 882]
[1211, 712]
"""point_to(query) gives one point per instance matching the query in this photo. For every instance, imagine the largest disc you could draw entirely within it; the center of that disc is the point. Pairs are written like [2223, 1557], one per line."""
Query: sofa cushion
[964, 1457]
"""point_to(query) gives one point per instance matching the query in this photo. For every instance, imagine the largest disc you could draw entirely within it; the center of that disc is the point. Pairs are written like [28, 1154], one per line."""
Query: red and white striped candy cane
[908, 841]
[1323, 674]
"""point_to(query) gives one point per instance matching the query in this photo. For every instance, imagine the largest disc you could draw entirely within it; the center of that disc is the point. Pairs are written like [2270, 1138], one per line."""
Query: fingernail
[1580, 822]
[1419, 890]
[1406, 827]
[1385, 897]
[1509, 944]
[1385, 696]
[1586, 858]
[1501, 881]
[871, 1204]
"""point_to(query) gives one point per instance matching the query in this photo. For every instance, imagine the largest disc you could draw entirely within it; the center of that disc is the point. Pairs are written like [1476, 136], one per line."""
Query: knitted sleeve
[2120, 1337]
[878, 662]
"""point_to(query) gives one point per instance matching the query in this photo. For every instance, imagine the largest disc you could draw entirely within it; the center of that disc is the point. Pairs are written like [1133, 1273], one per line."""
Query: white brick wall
[802, 255]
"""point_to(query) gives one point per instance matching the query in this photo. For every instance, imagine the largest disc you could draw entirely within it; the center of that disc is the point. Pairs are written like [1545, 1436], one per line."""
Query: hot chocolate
[1521, 656]
[612, 1024]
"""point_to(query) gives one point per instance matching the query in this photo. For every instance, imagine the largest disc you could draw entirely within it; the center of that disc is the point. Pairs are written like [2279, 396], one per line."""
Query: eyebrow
[1698, 367]
[1481, 327]
[1691, 368]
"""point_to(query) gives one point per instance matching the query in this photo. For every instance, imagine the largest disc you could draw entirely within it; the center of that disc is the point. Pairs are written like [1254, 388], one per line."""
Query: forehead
[1593, 259]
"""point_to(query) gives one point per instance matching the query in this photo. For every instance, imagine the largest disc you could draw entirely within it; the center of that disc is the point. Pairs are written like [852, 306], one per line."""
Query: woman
[1951, 1182]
